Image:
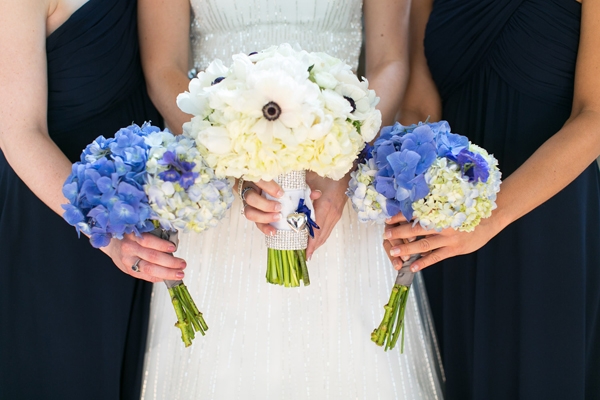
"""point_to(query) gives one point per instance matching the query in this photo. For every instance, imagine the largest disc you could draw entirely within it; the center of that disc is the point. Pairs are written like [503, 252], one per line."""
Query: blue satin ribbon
[303, 209]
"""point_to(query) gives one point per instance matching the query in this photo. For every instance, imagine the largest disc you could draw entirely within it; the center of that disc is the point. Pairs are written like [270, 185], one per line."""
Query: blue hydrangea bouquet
[435, 178]
[147, 180]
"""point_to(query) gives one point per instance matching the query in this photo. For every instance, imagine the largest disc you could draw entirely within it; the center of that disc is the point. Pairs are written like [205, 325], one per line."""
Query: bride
[266, 341]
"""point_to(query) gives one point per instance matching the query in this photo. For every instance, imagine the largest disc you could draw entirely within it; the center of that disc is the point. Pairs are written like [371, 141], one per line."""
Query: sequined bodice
[221, 28]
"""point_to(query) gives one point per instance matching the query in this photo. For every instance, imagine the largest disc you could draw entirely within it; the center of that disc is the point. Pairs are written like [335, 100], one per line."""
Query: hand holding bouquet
[273, 115]
[146, 180]
[435, 178]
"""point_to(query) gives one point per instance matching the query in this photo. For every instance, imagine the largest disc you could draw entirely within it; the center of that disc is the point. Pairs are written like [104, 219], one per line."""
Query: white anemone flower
[195, 100]
[280, 103]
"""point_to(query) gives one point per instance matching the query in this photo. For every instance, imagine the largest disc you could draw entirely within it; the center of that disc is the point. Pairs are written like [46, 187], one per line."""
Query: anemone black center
[271, 111]
[217, 80]
[352, 103]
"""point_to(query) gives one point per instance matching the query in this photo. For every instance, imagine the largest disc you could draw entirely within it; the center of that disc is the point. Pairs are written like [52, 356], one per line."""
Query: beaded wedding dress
[271, 342]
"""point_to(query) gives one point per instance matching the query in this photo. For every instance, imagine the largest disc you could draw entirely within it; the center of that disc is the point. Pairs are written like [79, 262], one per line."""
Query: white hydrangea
[453, 201]
[199, 207]
[280, 110]
[366, 201]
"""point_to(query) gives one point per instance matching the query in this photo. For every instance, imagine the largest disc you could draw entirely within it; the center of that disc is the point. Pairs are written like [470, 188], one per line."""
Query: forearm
[164, 85]
[552, 167]
[41, 165]
[164, 47]
[389, 82]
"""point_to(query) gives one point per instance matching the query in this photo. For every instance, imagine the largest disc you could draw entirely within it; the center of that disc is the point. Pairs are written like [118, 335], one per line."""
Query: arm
[386, 66]
[552, 167]
[386, 52]
[24, 137]
[421, 99]
[164, 32]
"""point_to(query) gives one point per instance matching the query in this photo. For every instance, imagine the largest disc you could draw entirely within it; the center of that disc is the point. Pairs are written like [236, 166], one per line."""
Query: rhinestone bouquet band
[289, 239]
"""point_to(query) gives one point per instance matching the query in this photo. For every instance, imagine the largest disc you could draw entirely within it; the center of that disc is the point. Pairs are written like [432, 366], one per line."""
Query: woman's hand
[155, 265]
[433, 246]
[261, 210]
[331, 196]
[329, 206]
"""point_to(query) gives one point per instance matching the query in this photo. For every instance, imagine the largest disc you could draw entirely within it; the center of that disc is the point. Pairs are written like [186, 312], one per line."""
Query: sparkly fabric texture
[221, 28]
[267, 341]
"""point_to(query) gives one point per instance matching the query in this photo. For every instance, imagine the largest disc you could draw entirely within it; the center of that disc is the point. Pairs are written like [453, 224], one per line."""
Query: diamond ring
[136, 267]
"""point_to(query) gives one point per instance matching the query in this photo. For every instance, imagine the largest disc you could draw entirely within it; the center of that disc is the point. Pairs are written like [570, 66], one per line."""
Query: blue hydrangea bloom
[473, 166]
[403, 154]
[105, 189]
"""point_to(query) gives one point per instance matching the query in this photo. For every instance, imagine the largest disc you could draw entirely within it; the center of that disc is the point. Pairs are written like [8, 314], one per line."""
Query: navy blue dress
[520, 318]
[72, 326]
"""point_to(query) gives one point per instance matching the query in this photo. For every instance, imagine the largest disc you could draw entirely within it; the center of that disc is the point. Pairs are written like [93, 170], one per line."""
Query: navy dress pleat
[72, 326]
[520, 318]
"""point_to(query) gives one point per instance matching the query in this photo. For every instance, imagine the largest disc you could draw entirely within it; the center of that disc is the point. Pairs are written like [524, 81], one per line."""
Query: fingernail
[183, 264]
[276, 217]
[273, 232]
[387, 234]
[278, 207]
[396, 264]
[405, 258]
[414, 268]
[317, 190]
[279, 193]
[388, 220]
[394, 252]
[171, 249]
[308, 257]
[180, 275]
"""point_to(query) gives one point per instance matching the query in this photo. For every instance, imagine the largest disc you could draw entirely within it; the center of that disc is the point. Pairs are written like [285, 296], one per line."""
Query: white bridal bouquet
[273, 115]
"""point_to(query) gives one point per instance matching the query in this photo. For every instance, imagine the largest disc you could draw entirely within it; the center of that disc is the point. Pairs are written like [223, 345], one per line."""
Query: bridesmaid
[518, 317]
[72, 325]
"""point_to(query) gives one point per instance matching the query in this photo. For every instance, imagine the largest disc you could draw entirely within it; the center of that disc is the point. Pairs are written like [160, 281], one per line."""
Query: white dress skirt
[270, 342]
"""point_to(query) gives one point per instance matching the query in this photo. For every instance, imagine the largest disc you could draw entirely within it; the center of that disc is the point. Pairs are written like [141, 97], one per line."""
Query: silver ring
[243, 210]
[136, 267]
[244, 191]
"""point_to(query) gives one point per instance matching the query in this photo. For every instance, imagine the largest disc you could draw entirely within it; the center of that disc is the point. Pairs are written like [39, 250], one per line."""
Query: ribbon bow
[310, 224]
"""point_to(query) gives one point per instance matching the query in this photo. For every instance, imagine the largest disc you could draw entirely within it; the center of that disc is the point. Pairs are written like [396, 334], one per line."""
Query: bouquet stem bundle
[287, 267]
[392, 325]
[189, 318]
[286, 257]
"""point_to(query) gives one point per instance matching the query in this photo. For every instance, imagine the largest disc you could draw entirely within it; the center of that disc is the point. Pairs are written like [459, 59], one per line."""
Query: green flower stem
[287, 270]
[181, 320]
[189, 318]
[392, 324]
[400, 325]
[294, 280]
[280, 267]
[272, 266]
[301, 255]
[378, 335]
[287, 267]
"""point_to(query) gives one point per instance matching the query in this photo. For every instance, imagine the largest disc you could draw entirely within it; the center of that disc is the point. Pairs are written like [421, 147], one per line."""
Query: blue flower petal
[100, 239]
[72, 214]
